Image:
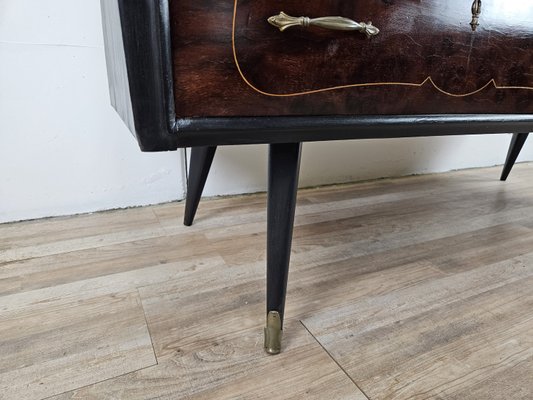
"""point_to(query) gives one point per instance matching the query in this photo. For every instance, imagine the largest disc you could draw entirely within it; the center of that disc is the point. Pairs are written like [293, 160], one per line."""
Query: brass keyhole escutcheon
[476, 12]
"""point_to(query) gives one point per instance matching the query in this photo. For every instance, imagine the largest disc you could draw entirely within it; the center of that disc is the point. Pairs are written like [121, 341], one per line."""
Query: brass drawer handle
[284, 21]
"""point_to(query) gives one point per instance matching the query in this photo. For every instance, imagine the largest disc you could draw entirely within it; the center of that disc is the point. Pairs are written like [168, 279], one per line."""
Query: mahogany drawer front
[229, 61]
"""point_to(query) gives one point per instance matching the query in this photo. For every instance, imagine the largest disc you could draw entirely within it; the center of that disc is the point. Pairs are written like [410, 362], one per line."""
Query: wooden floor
[412, 288]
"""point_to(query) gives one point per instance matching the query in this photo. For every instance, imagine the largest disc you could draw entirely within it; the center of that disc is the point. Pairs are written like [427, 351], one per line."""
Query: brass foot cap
[273, 333]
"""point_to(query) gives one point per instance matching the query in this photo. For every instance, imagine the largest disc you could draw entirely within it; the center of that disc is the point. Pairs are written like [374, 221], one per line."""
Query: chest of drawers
[204, 73]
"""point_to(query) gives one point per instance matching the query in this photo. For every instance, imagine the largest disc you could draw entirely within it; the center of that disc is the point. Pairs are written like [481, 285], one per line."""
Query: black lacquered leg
[201, 160]
[284, 166]
[517, 142]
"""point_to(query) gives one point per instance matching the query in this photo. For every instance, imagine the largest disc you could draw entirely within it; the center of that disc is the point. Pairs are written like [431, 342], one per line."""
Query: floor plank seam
[97, 382]
[147, 327]
[335, 361]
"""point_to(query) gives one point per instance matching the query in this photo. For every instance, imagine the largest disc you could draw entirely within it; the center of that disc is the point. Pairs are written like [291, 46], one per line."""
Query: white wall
[63, 150]
[242, 169]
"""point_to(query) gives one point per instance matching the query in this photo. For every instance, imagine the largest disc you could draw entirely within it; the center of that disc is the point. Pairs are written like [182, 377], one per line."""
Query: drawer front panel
[426, 59]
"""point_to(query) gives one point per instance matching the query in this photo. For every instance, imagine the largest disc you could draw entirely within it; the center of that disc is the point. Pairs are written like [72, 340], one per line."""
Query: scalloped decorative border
[429, 80]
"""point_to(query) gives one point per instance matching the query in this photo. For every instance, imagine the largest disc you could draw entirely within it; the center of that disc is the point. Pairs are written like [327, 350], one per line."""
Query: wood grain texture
[219, 71]
[419, 288]
[466, 328]
[73, 266]
[61, 345]
[231, 368]
[44, 231]
[417, 40]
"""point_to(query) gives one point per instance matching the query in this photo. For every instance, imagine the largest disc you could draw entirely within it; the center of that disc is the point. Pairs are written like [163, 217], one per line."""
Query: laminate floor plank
[389, 229]
[71, 335]
[234, 367]
[411, 288]
[376, 224]
[50, 230]
[471, 249]
[55, 348]
[306, 214]
[236, 299]
[248, 219]
[84, 243]
[71, 266]
[437, 338]
[121, 281]
[451, 183]
[512, 382]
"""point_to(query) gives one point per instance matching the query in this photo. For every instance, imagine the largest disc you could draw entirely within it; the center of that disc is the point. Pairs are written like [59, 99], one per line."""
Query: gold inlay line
[354, 85]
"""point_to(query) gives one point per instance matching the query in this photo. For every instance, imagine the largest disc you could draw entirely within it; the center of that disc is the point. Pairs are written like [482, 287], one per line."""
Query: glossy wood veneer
[228, 61]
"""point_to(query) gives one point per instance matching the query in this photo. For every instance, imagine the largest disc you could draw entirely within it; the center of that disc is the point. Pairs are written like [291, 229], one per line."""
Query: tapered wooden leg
[517, 142]
[201, 160]
[283, 171]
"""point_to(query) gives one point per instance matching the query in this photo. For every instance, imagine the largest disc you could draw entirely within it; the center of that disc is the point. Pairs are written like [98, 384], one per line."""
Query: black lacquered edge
[246, 130]
[145, 33]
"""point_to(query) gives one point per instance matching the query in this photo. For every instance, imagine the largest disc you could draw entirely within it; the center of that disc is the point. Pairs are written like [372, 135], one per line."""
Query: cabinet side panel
[117, 72]
[140, 74]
